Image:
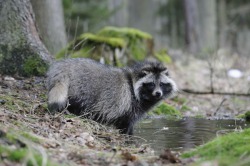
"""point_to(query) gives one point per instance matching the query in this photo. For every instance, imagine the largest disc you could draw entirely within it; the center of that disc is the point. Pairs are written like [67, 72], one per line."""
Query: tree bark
[192, 26]
[208, 24]
[142, 15]
[222, 21]
[120, 17]
[50, 21]
[21, 50]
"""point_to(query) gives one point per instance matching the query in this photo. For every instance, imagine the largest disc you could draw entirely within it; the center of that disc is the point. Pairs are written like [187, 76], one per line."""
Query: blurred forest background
[198, 26]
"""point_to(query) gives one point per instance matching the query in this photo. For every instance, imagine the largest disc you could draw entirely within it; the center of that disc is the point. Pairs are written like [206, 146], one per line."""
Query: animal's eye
[165, 84]
[149, 85]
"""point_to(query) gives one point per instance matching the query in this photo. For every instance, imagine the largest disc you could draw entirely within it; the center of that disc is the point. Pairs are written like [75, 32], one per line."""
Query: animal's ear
[143, 73]
[165, 72]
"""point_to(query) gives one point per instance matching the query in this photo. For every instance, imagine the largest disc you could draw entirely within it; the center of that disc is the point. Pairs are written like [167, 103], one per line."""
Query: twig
[219, 106]
[214, 93]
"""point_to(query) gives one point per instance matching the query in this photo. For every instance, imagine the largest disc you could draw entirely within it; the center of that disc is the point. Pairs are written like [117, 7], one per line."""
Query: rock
[8, 82]
[2, 101]
[8, 78]
[234, 73]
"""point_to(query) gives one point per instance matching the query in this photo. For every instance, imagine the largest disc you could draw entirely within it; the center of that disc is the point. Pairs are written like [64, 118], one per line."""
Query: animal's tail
[58, 96]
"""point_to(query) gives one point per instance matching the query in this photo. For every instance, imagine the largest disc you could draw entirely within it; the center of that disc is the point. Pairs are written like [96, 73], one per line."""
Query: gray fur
[106, 94]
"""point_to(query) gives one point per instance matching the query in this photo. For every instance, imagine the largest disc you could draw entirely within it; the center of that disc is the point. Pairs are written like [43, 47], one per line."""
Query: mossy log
[117, 46]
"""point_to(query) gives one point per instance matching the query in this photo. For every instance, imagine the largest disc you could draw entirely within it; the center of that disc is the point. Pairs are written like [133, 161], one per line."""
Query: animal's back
[92, 88]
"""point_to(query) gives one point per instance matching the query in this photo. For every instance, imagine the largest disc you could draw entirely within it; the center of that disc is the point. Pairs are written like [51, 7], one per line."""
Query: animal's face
[153, 82]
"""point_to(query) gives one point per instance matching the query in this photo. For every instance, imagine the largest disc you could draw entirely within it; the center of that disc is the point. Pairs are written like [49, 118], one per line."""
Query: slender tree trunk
[120, 17]
[21, 50]
[142, 14]
[192, 25]
[208, 24]
[222, 21]
[50, 21]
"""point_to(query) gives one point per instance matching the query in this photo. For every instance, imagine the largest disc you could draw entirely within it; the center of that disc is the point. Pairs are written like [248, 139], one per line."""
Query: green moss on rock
[138, 42]
[247, 116]
[134, 44]
[124, 33]
[163, 56]
[33, 65]
[21, 61]
[110, 40]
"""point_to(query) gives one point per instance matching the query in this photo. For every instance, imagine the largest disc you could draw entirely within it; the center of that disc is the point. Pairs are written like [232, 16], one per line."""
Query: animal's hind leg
[58, 97]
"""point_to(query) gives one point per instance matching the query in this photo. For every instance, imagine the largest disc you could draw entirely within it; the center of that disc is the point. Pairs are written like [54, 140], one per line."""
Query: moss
[124, 32]
[87, 45]
[22, 61]
[136, 45]
[200, 116]
[22, 154]
[240, 116]
[137, 41]
[247, 116]
[16, 150]
[179, 100]
[112, 41]
[31, 137]
[167, 110]
[163, 56]
[33, 65]
[226, 149]
[185, 108]
[13, 103]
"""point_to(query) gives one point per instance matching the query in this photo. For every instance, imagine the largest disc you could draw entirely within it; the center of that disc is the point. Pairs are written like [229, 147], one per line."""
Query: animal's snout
[157, 94]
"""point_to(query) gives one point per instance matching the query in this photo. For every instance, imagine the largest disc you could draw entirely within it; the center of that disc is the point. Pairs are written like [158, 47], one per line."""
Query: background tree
[192, 25]
[120, 14]
[85, 16]
[21, 50]
[50, 20]
[208, 24]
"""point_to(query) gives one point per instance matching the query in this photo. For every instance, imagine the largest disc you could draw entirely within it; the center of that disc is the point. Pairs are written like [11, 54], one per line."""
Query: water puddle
[184, 134]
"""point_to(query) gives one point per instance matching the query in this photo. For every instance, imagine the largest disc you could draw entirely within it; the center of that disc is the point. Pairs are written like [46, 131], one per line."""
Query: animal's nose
[157, 94]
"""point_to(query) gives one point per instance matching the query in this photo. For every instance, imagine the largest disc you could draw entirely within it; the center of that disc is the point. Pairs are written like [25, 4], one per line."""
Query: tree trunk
[208, 26]
[50, 21]
[222, 21]
[192, 25]
[120, 17]
[21, 50]
[142, 15]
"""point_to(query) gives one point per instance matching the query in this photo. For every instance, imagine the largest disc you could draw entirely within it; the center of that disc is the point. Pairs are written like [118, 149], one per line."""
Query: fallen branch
[214, 93]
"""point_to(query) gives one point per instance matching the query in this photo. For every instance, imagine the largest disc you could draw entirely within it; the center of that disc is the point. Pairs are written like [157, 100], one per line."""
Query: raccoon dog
[108, 95]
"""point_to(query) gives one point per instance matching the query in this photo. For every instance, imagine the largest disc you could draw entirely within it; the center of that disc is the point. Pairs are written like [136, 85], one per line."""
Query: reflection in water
[183, 134]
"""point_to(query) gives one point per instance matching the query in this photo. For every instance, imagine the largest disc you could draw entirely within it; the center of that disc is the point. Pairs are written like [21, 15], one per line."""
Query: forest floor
[30, 135]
